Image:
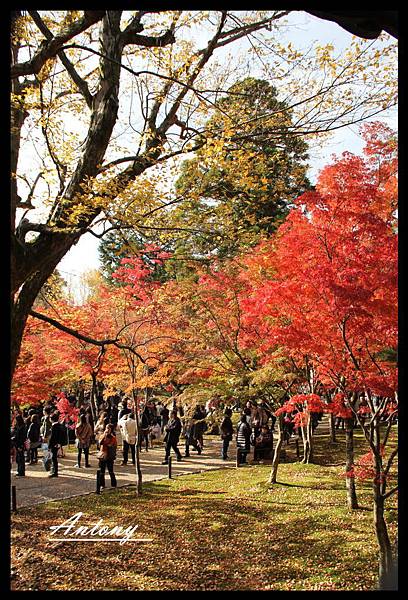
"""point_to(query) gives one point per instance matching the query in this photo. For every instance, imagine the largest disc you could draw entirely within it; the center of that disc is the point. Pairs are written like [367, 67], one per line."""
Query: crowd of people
[159, 424]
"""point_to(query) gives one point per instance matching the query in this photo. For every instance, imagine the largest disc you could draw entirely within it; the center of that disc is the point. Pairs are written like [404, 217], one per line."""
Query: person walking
[100, 427]
[173, 430]
[83, 434]
[159, 407]
[191, 437]
[243, 439]
[255, 418]
[55, 442]
[27, 422]
[89, 417]
[265, 412]
[263, 444]
[144, 429]
[107, 455]
[200, 426]
[164, 417]
[46, 424]
[34, 437]
[114, 416]
[151, 411]
[155, 432]
[227, 431]
[125, 410]
[127, 427]
[18, 437]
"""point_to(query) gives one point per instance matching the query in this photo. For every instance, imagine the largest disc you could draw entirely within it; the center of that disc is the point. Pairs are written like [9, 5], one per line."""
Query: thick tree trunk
[278, 448]
[33, 262]
[20, 309]
[73, 212]
[332, 429]
[385, 558]
[386, 572]
[352, 502]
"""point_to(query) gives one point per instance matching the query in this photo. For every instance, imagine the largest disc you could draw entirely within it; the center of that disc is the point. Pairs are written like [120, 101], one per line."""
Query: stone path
[37, 487]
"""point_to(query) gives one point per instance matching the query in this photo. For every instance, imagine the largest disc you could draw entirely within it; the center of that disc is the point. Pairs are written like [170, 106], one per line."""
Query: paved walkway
[37, 487]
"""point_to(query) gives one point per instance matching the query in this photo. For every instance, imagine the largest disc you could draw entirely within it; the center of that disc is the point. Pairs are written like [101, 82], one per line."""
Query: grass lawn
[218, 530]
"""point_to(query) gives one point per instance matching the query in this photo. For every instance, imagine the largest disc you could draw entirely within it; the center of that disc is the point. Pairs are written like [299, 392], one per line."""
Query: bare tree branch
[79, 82]
[85, 338]
[50, 48]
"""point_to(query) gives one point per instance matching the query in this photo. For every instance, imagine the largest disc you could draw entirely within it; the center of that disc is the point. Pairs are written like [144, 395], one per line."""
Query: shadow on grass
[298, 485]
[201, 541]
[244, 538]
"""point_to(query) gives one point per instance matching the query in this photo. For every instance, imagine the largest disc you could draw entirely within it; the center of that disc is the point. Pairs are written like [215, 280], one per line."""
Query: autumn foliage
[324, 289]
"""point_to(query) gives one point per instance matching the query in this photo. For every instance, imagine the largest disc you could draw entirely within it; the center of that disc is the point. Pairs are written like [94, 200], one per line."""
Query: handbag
[27, 444]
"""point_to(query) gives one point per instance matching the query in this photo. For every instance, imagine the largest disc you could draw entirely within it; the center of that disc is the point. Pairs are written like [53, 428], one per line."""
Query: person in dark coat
[45, 427]
[18, 437]
[114, 413]
[33, 434]
[191, 437]
[27, 423]
[243, 439]
[173, 430]
[265, 413]
[226, 432]
[200, 426]
[125, 410]
[164, 416]
[263, 444]
[144, 429]
[55, 443]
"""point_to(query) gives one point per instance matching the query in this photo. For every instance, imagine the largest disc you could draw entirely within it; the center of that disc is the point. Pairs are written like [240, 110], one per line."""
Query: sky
[303, 29]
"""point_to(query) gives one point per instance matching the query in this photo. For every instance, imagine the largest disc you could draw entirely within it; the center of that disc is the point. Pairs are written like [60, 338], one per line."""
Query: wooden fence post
[98, 481]
[169, 467]
[13, 498]
[238, 458]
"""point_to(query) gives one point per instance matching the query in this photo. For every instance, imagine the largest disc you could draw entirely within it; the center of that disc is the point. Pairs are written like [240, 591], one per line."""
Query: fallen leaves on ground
[217, 530]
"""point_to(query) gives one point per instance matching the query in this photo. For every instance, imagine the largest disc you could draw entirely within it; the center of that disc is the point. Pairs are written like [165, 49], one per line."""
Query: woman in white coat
[127, 426]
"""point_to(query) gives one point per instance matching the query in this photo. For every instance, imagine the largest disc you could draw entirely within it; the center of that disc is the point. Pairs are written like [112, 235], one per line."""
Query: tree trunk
[386, 573]
[81, 395]
[139, 477]
[93, 398]
[332, 429]
[307, 435]
[386, 581]
[278, 448]
[33, 262]
[352, 502]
